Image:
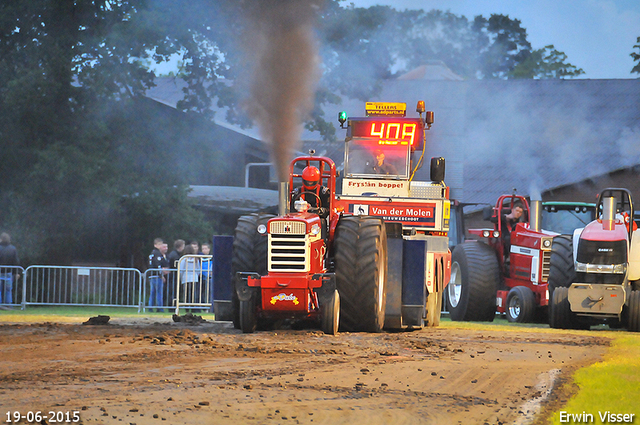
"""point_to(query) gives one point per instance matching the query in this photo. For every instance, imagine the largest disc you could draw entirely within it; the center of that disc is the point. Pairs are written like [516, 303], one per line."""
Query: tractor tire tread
[249, 253]
[634, 312]
[480, 276]
[527, 304]
[561, 269]
[360, 249]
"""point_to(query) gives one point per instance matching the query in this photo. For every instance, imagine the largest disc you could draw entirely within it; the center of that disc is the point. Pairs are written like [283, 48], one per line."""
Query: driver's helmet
[310, 177]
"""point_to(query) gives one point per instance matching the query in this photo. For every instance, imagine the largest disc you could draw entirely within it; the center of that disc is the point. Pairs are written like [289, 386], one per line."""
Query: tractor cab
[314, 204]
[607, 240]
[380, 148]
[500, 237]
[314, 197]
[563, 217]
[367, 160]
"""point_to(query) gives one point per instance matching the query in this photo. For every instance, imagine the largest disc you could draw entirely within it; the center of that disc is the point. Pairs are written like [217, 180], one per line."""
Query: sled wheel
[331, 314]
[248, 319]
[434, 300]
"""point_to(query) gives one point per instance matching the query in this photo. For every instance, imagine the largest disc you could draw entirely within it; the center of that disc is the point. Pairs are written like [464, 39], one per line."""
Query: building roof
[432, 70]
[234, 200]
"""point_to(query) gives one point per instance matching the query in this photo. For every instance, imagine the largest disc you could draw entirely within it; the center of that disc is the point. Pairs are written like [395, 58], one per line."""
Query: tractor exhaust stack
[283, 196]
[536, 215]
[608, 213]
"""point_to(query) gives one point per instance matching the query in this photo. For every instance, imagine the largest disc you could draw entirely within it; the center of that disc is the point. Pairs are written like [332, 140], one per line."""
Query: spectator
[8, 257]
[207, 273]
[174, 258]
[196, 247]
[159, 263]
[190, 273]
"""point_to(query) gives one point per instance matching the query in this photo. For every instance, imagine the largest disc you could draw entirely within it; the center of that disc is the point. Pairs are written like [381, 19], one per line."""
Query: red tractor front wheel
[521, 305]
[249, 254]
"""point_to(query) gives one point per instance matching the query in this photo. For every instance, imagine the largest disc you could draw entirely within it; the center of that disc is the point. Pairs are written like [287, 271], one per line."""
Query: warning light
[342, 118]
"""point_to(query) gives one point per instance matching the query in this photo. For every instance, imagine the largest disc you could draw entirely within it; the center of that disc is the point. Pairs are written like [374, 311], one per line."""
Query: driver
[310, 188]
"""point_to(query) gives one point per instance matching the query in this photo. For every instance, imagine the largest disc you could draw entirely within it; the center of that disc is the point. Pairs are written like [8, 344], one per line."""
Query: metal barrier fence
[82, 286]
[194, 282]
[9, 277]
[158, 289]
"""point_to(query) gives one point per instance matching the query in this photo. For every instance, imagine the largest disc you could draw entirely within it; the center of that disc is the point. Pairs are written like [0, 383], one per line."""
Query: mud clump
[98, 320]
[189, 319]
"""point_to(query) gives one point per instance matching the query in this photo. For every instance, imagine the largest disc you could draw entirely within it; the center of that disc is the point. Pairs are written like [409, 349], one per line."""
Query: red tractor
[595, 275]
[371, 257]
[505, 270]
[293, 249]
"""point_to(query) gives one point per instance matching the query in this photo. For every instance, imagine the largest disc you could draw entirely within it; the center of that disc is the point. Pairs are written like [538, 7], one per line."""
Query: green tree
[636, 57]
[73, 76]
[545, 63]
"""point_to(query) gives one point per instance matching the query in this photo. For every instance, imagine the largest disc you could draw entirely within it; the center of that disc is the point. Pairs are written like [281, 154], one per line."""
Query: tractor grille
[287, 228]
[288, 247]
[546, 266]
[427, 190]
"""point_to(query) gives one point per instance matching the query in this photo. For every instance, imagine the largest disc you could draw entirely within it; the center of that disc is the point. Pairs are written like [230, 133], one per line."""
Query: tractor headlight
[262, 229]
[485, 233]
[496, 234]
[601, 268]
[546, 243]
[315, 229]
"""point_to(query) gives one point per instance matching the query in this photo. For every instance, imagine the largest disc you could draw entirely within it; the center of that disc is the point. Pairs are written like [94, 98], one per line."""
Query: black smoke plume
[283, 53]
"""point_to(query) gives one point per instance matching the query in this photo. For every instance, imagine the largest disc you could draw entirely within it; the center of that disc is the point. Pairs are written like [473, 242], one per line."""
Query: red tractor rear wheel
[471, 292]
[360, 257]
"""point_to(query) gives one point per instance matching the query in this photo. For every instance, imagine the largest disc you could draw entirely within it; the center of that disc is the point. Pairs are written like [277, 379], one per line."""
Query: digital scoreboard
[383, 131]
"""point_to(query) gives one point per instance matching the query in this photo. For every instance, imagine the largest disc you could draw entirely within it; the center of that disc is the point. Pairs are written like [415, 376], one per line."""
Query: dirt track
[152, 373]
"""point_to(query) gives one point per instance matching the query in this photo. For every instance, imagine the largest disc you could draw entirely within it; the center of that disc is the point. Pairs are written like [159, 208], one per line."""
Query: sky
[596, 35]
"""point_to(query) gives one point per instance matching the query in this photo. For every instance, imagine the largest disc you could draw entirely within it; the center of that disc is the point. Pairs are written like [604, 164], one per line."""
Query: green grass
[61, 314]
[610, 385]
